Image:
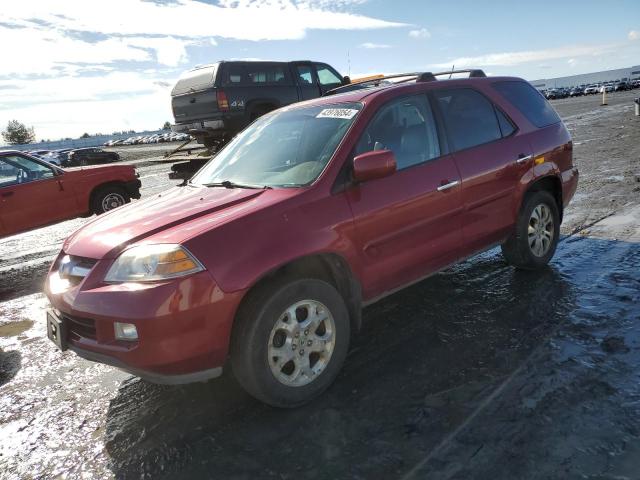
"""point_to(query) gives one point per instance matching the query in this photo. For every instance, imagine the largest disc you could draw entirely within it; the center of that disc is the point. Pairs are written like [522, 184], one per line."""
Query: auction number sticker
[346, 113]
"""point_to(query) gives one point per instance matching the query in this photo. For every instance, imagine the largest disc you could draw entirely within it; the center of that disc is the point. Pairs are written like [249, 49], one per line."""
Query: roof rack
[419, 77]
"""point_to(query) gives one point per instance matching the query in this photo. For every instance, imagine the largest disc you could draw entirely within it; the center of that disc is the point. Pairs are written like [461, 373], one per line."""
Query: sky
[70, 67]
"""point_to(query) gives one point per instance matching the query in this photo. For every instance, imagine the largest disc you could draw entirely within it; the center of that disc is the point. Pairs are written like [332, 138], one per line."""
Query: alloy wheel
[301, 343]
[541, 230]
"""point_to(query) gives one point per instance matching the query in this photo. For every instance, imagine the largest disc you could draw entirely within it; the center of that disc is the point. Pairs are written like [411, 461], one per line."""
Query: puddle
[15, 328]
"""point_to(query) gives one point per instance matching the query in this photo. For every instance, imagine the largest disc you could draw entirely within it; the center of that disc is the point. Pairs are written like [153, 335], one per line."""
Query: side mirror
[346, 80]
[372, 165]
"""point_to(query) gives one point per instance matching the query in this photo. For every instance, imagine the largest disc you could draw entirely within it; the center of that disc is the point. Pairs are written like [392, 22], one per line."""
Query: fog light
[125, 331]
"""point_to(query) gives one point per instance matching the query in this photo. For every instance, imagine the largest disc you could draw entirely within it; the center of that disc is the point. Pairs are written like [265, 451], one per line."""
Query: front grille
[79, 328]
[75, 268]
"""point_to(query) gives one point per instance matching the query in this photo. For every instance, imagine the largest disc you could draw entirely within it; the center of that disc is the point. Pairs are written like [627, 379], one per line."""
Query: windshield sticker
[346, 113]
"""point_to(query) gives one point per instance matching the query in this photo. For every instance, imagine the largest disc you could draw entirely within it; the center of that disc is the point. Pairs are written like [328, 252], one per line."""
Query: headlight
[146, 263]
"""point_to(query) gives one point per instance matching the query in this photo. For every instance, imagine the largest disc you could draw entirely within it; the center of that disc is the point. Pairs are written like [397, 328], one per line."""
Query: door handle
[447, 186]
[523, 158]
[7, 194]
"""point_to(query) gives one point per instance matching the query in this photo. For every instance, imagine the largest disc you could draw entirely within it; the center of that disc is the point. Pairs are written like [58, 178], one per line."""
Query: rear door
[307, 80]
[408, 224]
[31, 195]
[491, 158]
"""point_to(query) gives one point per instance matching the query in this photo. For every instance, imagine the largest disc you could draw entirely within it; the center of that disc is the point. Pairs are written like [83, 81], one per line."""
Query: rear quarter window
[529, 102]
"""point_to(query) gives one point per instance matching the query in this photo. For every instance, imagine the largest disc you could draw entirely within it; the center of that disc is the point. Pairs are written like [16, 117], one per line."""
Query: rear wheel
[534, 241]
[109, 197]
[290, 341]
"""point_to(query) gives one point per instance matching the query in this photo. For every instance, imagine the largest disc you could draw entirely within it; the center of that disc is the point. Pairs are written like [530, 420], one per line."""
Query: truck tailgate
[194, 106]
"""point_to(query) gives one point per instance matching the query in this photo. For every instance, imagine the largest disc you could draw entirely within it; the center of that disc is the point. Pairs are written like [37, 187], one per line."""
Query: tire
[259, 111]
[539, 219]
[260, 355]
[107, 198]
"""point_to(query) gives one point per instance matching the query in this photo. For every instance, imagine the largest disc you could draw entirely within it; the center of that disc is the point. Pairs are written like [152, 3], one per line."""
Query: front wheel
[108, 198]
[534, 241]
[290, 341]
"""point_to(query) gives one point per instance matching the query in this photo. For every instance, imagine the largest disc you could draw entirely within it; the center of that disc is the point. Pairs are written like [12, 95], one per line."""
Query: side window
[327, 77]
[305, 77]
[506, 126]
[233, 74]
[407, 128]
[528, 101]
[266, 74]
[8, 174]
[23, 170]
[469, 116]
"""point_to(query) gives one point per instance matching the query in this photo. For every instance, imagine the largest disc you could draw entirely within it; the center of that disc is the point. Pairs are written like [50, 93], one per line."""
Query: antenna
[349, 63]
[453, 68]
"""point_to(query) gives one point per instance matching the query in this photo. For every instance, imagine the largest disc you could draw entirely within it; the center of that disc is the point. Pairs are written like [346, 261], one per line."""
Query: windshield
[283, 149]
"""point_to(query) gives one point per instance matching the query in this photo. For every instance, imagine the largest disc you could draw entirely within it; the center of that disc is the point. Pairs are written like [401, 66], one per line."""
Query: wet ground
[478, 372]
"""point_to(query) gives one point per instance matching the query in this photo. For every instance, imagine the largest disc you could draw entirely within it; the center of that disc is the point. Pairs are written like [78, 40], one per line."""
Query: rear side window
[255, 74]
[469, 117]
[266, 74]
[506, 126]
[529, 102]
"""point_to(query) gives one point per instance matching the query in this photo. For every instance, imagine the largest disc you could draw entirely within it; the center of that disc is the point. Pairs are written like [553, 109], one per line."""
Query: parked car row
[592, 89]
[76, 157]
[155, 138]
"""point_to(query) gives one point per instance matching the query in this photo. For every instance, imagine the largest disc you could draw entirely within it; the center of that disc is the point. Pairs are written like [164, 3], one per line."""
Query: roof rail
[473, 73]
[419, 77]
[374, 82]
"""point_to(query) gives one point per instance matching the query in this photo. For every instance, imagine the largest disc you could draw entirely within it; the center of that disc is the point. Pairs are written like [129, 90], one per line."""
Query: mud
[478, 372]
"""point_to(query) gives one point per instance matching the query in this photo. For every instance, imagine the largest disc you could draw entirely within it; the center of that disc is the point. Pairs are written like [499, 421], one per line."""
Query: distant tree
[18, 134]
[166, 126]
[85, 135]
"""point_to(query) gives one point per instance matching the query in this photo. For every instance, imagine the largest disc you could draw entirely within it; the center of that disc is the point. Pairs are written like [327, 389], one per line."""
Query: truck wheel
[109, 197]
[290, 341]
[534, 241]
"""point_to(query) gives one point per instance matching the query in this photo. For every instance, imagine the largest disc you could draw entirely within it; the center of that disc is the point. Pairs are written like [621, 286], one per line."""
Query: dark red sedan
[264, 260]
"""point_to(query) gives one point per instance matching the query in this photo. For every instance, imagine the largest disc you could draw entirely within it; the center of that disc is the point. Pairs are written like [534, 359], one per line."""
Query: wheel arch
[551, 184]
[329, 267]
[97, 188]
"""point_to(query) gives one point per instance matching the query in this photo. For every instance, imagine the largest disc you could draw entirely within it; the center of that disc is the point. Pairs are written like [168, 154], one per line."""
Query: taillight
[223, 103]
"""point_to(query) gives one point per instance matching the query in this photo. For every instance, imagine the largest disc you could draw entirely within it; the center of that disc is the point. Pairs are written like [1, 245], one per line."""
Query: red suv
[264, 260]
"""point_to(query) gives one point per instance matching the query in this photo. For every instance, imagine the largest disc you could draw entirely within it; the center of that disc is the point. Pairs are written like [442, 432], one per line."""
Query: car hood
[181, 207]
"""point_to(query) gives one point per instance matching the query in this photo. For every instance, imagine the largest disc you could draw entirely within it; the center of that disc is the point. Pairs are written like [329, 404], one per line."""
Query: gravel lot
[477, 372]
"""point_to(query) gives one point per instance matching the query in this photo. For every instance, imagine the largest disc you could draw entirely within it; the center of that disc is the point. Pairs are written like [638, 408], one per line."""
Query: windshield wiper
[230, 184]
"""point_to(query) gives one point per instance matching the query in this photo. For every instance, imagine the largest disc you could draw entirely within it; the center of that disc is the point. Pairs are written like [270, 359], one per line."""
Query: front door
[31, 195]
[408, 224]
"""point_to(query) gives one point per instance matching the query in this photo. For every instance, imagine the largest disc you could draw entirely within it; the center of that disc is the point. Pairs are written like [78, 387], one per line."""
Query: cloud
[69, 106]
[634, 35]
[509, 59]
[370, 45]
[90, 65]
[240, 19]
[420, 33]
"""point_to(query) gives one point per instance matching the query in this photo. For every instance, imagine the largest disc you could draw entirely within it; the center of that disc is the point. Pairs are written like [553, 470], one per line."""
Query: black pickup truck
[214, 102]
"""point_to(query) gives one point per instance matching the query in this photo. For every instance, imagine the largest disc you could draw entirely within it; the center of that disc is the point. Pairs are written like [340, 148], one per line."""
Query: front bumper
[133, 188]
[184, 325]
[569, 184]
